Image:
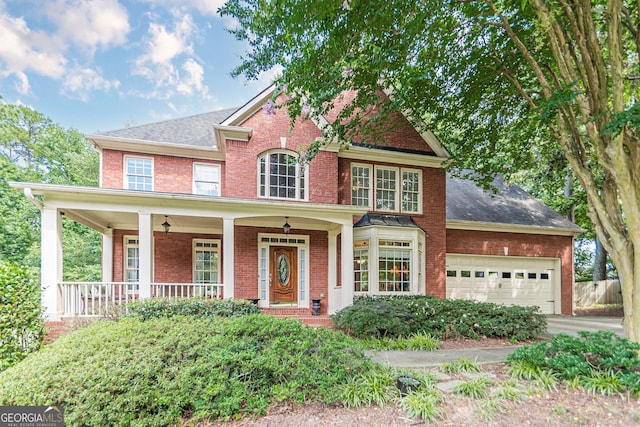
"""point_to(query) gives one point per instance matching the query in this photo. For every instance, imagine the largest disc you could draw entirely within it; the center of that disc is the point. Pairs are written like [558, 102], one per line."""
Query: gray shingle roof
[510, 205]
[193, 130]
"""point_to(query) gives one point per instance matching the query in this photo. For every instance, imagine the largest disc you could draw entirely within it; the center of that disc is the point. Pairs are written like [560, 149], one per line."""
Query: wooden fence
[588, 294]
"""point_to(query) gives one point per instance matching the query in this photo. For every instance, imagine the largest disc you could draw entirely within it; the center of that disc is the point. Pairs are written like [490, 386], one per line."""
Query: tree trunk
[600, 262]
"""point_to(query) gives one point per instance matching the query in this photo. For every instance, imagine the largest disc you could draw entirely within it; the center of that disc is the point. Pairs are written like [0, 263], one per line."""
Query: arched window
[281, 176]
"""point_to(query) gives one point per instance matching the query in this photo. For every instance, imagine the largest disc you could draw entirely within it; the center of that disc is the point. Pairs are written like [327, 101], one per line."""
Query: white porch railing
[100, 299]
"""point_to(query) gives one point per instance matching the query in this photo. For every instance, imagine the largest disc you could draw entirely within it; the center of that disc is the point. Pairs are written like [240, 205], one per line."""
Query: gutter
[27, 192]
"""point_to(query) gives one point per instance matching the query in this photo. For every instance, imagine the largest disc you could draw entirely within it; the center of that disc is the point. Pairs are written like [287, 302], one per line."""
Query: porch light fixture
[166, 225]
[286, 227]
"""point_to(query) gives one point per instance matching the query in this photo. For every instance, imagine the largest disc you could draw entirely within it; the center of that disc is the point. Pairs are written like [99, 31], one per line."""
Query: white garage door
[503, 280]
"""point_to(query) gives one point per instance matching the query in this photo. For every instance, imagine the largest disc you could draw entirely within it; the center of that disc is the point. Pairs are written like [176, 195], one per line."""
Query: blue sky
[97, 65]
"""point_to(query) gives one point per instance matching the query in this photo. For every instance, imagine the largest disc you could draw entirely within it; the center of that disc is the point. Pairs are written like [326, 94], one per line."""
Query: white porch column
[347, 264]
[228, 256]
[334, 299]
[51, 264]
[107, 256]
[145, 253]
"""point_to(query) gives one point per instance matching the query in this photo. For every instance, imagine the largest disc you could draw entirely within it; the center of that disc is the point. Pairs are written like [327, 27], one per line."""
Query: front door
[283, 275]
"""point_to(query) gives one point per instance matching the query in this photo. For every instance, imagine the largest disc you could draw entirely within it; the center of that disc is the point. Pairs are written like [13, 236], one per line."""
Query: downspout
[27, 192]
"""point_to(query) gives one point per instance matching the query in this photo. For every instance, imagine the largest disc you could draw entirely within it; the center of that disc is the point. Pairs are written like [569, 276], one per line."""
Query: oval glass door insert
[283, 270]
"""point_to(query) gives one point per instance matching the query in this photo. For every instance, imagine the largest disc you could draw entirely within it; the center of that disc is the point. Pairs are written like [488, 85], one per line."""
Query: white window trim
[194, 242]
[266, 155]
[374, 235]
[125, 180]
[420, 190]
[193, 176]
[371, 182]
[125, 269]
[398, 196]
[398, 189]
[303, 302]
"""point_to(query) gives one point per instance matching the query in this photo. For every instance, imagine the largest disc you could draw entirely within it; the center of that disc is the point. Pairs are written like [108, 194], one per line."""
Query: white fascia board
[387, 156]
[237, 133]
[118, 200]
[248, 109]
[151, 147]
[511, 228]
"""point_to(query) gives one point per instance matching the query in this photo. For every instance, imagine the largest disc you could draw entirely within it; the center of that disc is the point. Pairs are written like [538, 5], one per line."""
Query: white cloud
[22, 49]
[159, 63]
[80, 82]
[192, 81]
[90, 23]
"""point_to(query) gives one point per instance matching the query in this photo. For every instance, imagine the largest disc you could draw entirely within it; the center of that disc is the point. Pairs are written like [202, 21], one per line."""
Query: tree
[501, 82]
[34, 149]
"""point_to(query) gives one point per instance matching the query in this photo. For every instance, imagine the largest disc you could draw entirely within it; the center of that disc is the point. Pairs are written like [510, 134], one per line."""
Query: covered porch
[212, 247]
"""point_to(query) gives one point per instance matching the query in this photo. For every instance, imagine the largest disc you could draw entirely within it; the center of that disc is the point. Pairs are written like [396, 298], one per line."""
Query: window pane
[360, 185]
[410, 191]
[139, 175]
[206, 180]
[394, 270]
[281, 174]
[361, 267]
[386, 189]
[206, 262]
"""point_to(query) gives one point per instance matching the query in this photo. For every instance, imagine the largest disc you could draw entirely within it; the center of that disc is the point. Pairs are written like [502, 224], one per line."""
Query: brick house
[215, 204]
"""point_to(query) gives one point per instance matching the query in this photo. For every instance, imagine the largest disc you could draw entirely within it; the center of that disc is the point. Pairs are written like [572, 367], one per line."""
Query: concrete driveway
[572, 324]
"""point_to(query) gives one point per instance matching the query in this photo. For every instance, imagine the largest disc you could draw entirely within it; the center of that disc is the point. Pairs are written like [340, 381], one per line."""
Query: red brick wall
[398, 131]
[170, 174]
[172, 255]
[242, 157]
[532, 245]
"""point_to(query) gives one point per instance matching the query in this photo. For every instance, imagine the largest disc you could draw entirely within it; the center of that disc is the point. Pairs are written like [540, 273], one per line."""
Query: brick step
[313, 321]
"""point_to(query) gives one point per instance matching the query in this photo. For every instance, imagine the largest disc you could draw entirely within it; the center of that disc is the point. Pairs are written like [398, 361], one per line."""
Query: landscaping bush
[21, 325]
[374, 320]
[170, 371]
[440, 318]
[589, 358]
[195, 307]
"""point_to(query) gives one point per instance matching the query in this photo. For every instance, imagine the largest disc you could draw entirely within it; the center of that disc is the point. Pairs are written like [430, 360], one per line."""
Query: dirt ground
[561, 407]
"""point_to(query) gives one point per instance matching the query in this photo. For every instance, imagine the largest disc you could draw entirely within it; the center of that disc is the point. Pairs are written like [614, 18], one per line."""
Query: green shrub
[21, 325]
[374, 320]
[164, 370]
[441, 318]
[593, 357]
[195, 307]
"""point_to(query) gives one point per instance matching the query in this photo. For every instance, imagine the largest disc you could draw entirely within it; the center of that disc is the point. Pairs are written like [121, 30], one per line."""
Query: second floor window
[392, 189]
[206, 179]
[281, 176]
[139, 173]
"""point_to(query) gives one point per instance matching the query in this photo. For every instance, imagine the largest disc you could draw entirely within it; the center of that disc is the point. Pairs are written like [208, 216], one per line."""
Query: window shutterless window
[386, 189]
[411, 194]
[131, 262]
[360, 185]
[281, 176]
[361, 266]
[139, 173]
[206, 261]
[206, 179]
[394, 189]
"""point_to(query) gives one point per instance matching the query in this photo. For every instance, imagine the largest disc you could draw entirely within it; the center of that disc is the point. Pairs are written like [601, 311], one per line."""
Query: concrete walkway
[556, 324]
